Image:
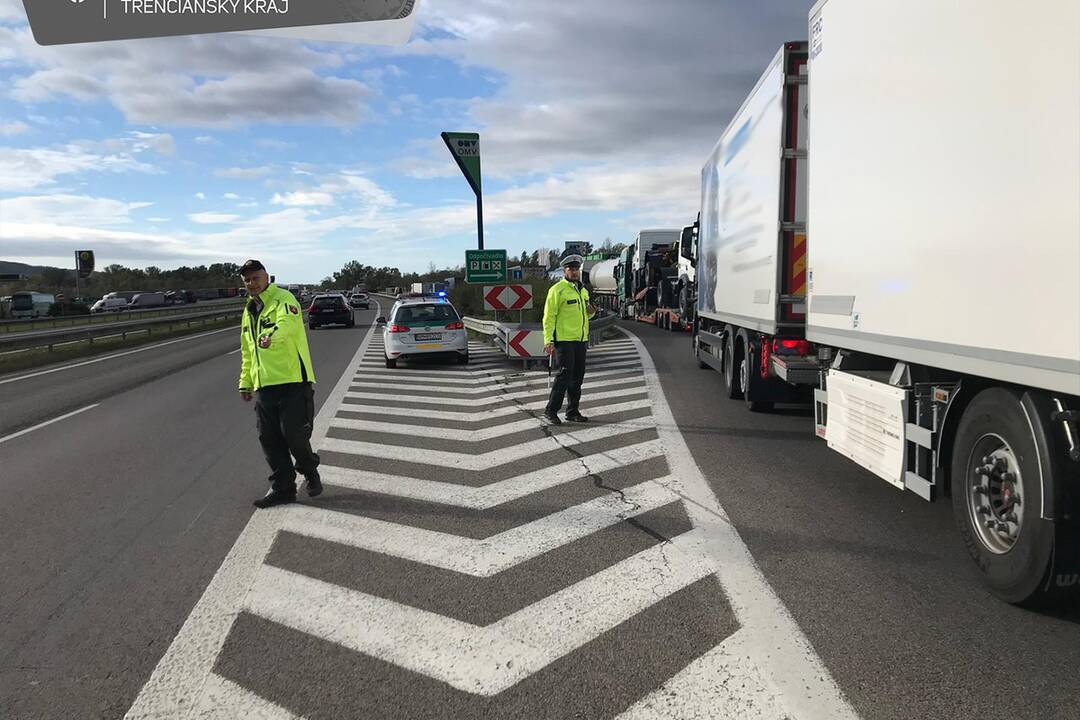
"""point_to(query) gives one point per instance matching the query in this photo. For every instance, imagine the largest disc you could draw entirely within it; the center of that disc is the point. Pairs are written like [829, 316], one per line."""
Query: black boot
[314, 483]
[275, 497]
[575, 416]
[552, 418]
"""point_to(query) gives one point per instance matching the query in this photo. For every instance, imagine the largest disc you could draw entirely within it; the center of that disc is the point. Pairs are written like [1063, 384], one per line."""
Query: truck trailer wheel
[997, 486]
[747, 378]
[731, 369]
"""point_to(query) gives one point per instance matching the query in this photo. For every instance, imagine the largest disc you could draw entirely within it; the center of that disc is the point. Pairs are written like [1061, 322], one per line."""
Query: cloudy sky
[595, 118]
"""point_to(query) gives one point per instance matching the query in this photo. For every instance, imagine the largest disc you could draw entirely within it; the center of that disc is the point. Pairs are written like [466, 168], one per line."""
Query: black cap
[251, 265]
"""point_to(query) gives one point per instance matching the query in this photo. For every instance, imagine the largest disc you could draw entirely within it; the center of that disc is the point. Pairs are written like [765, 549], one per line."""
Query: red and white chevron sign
[526, 344]
[508, 297]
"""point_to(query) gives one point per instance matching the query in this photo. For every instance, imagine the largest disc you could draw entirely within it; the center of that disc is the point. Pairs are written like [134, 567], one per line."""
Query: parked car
[360, 300]
[330, 309]
[109, 304]
[424, 327]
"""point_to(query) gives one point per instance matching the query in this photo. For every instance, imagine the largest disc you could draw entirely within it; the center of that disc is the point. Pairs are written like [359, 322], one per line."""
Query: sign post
[84, 266]
[465, 147]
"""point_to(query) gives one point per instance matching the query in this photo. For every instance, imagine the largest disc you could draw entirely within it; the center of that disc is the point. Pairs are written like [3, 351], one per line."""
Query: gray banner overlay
[56, 22]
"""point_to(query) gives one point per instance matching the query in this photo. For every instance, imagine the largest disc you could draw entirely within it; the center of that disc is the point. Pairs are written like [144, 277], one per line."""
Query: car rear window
[426, 314]
[327, 302]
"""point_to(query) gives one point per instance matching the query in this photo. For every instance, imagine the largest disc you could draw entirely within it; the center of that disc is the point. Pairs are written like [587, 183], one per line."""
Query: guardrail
[30, 324]
[500, 330]
[51, 338]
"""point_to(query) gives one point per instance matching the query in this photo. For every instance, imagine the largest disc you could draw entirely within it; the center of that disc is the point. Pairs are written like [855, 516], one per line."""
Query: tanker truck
[896, 243]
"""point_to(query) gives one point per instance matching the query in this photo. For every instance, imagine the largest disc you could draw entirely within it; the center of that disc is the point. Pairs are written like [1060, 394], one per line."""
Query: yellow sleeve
[551, 311]
[588, 302]
[245, 354]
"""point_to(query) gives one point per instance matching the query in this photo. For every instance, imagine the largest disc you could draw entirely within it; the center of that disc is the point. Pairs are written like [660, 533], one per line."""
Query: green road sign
[465, 147]
[485, 266]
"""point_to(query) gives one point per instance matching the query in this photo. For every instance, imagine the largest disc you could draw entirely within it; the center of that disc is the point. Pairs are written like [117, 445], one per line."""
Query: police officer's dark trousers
[285, 417]
[570, 362]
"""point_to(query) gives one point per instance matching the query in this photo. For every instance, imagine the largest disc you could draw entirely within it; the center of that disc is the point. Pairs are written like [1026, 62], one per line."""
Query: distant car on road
[360, 299]
[424, 327]
[330, 309]
[108, 304]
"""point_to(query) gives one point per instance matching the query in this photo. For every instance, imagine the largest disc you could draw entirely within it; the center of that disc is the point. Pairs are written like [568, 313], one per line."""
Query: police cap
[571, 261]
[251, 266]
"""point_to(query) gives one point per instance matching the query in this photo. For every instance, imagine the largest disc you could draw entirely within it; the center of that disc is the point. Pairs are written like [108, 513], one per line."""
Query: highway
[678, 557]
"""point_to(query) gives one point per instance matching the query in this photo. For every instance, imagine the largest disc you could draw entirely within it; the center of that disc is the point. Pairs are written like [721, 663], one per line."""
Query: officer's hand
[246, 396]
[591, 309]
[549, 348]
[264, 341]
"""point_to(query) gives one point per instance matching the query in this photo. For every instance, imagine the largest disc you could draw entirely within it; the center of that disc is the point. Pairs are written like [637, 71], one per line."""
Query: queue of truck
[897, 243]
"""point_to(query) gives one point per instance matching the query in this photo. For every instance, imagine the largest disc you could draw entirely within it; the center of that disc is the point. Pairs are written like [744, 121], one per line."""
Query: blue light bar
[442, 294]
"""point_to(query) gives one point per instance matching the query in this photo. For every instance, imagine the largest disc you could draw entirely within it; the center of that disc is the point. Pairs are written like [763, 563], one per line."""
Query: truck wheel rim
[995, 491]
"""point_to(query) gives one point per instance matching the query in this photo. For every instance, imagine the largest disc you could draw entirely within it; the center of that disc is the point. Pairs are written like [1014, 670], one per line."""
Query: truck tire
[731, 369]
[997, 504]
[747, 381]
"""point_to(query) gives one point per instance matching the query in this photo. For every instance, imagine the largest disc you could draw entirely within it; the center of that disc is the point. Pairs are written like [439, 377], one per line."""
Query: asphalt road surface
[676, 557]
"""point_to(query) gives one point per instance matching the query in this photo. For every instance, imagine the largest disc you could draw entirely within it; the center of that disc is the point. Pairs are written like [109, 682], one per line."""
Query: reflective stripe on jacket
[287, 360]
[565, 313]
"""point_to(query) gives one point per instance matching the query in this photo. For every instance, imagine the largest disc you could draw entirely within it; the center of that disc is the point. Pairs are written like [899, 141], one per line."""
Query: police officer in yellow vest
[276, 369]
[566, 336]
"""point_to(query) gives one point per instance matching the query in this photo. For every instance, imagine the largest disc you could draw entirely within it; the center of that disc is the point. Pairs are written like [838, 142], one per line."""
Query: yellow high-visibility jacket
[566, 316]
[287, 360]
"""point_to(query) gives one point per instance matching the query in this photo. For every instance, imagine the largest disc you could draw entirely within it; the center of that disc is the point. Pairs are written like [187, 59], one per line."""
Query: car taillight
[399, 328]
[456, 326]
[791, 347]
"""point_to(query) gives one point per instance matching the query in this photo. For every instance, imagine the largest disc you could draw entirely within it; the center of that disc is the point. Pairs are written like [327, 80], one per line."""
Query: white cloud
[23, 169]
[238, 173]
[274, 144]
[212, 218]
[231, 196]
[223, 80]
[66, 209]
[157, 219]
[302, 199]
[160, 142]
[200, 195]
[12, 10]
[654, 81]
[206, 140]
[247, 204]
[15, 127]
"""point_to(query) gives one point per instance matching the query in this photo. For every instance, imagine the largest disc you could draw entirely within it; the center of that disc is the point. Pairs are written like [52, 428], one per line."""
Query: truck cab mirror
[380, 320]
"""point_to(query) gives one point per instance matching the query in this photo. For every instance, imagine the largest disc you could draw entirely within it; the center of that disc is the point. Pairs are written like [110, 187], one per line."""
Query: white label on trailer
[816, 36]
[866, 423]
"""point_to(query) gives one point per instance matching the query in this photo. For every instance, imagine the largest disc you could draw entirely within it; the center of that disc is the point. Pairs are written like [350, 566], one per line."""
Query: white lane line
[479, 558]
[463, 655]
[115, 355]
[234, 351]
[720, 683]
[222, 699]
[403, 427]
[497, 493]
[182, 672]
[46, 423]
[469, 460]
[774, 641]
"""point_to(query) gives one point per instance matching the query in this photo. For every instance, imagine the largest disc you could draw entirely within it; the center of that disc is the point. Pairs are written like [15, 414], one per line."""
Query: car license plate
[430, 346]
[328, 312]
[428, 336]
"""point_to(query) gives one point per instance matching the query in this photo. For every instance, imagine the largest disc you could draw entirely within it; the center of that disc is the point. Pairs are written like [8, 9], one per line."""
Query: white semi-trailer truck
[890, 229]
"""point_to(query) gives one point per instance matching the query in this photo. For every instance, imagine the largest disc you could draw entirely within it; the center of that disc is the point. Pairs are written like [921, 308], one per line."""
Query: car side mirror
[380, 320]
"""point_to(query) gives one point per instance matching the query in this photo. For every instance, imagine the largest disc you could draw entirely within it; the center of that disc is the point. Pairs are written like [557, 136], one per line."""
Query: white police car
[424, 327]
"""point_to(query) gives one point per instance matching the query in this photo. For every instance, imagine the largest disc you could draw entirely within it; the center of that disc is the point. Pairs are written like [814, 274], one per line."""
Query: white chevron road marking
[510, 376]
[405, 429]
[463, 655]
[222, 699]
[513, 383]
[480, 558]
[469, 460]
[590, 400]
[491, 398]
[497, 493]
